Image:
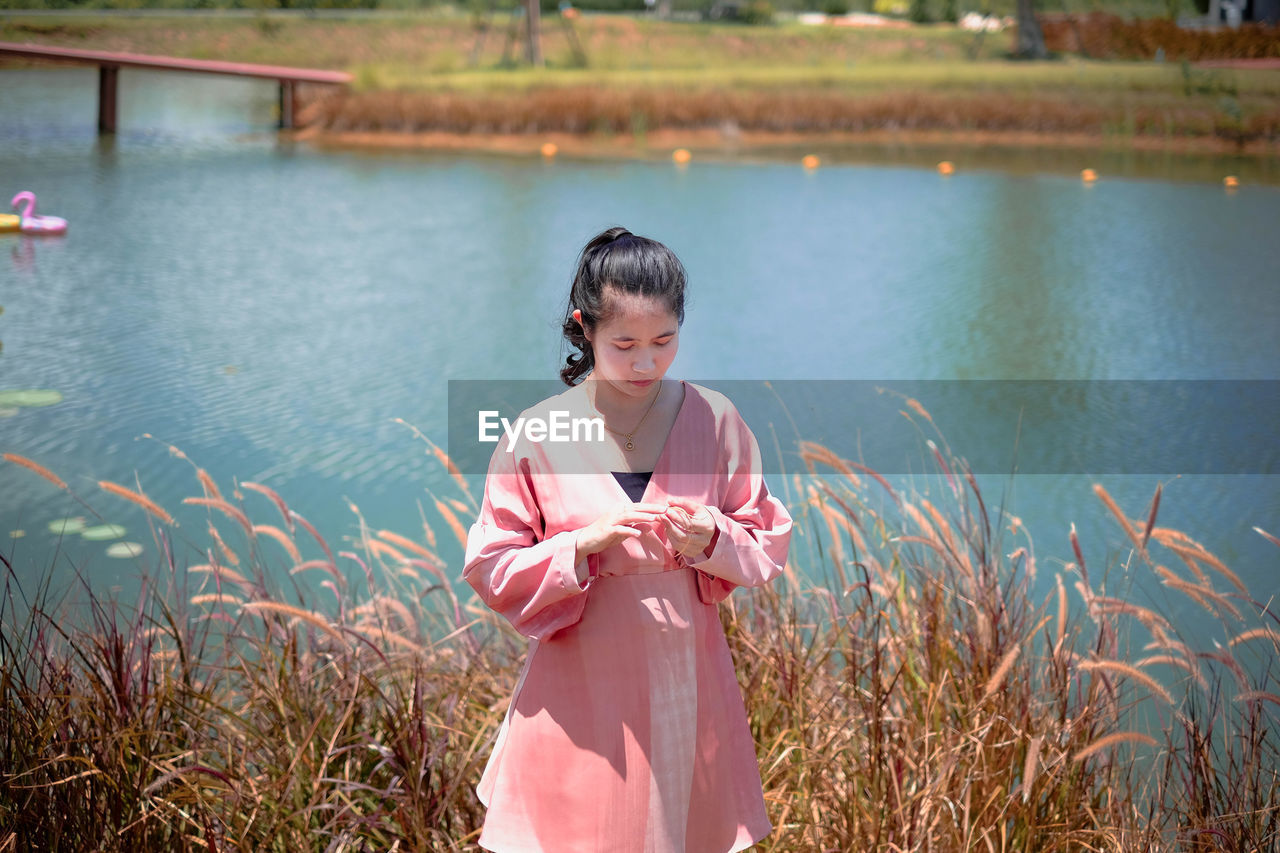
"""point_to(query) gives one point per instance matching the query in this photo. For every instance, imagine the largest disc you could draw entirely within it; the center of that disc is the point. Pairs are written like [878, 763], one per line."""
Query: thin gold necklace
[627, 435]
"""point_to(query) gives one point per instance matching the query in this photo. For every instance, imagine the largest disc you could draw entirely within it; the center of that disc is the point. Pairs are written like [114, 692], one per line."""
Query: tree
[1030, 37]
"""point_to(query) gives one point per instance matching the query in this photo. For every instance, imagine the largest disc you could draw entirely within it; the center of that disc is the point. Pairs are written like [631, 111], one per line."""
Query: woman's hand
[691, 529]
[613, 527]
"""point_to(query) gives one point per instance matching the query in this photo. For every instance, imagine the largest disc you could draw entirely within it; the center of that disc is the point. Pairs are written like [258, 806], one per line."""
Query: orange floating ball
[549, 149]
[945, 168]
[810, 161]
[1088, 176]
[681, 155]
[1231, 182]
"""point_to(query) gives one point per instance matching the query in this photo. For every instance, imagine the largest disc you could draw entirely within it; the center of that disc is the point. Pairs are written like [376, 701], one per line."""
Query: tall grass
[221, 712]
[919, 696]
[588, 110]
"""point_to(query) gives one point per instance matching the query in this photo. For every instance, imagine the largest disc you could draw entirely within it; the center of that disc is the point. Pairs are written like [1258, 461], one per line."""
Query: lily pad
[17, 534]
[124, 549]
[30, 398]
[63, 526]
[9, 411]
[102, 532]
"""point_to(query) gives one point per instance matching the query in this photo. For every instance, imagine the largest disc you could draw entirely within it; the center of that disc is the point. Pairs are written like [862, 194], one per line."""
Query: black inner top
[633, 482]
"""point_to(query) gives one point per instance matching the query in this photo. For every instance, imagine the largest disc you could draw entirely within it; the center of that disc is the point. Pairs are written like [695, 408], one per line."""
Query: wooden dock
[109, 65]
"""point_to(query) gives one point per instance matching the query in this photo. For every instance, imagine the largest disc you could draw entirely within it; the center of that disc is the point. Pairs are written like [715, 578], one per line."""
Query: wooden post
[108, 78]
[533, 21]
[287, 95]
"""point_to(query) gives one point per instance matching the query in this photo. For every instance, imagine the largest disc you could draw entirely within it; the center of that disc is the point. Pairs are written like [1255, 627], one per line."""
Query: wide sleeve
[753, 528]
[529, 579]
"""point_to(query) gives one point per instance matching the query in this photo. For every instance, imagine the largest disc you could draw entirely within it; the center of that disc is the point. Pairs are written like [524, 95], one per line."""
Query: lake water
[276, 311]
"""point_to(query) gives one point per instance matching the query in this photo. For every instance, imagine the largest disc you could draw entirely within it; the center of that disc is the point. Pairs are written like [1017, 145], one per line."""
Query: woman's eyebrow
[629, 338]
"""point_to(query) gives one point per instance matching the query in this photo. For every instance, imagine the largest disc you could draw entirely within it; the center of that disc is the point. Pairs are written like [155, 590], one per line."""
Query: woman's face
[636, 344]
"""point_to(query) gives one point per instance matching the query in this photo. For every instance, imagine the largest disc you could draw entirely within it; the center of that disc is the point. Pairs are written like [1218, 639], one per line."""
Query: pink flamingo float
[30, 223]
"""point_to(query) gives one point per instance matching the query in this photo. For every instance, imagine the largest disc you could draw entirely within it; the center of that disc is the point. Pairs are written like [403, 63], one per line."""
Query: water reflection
[23, 252]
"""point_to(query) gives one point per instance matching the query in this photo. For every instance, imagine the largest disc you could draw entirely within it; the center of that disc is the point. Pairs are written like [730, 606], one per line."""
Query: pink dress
[626, 731]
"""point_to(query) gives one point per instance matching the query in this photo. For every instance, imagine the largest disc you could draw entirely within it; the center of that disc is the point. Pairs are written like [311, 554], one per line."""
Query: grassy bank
[919, 697]
[441, 79]
[739, 113]
[445, 42]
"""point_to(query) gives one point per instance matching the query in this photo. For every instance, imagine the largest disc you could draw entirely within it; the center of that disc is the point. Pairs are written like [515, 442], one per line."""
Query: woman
[626, 729]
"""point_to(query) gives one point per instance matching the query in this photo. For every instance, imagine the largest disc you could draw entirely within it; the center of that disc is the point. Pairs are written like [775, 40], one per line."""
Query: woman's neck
[611, 403]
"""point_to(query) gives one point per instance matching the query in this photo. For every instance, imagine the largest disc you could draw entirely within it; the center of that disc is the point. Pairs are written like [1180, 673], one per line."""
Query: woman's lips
[642, 383]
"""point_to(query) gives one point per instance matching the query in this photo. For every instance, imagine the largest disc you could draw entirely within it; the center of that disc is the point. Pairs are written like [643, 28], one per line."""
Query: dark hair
[616, 258]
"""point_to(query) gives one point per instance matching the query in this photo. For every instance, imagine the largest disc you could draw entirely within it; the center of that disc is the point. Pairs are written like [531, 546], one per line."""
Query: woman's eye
[631, 346]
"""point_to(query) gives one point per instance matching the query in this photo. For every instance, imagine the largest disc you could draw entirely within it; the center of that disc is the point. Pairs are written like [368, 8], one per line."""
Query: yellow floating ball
[549, 149]
[681, 155]
[1231, 182]
[1088, 176]
[945, 168]
[810, 161]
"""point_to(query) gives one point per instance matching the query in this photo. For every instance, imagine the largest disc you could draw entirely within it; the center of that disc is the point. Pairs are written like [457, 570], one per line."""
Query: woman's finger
[678, 539]
[678, 515]
[690, 506]
[638, 512]
[673, 529]
[648, 510]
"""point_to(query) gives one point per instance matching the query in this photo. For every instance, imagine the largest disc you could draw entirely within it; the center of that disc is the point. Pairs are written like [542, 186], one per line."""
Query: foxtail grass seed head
[138, 498]
[451, 519]
[1121, 668]
[226, 509]
[280, 536]
[36, 468]
[207, 483]
[275, 498]
[1151, 517]
[1111, 740]
[1125, 523]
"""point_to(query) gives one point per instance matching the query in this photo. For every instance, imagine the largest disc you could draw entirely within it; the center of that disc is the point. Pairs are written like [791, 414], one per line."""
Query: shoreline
[714, 144]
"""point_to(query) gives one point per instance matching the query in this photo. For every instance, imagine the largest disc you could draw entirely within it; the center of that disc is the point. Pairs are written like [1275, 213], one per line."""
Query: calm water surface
[275, 311]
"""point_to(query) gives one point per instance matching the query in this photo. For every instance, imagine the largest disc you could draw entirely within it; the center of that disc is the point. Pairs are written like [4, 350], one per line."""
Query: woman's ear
[577, 315]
